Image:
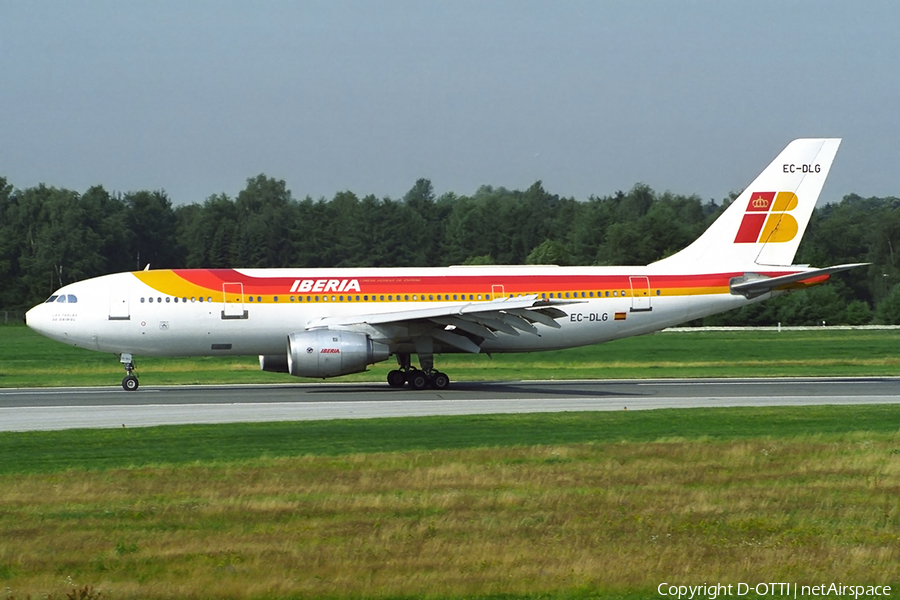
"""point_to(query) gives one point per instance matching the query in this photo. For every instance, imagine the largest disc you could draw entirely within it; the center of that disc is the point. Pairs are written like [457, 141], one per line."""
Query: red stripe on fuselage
[212, 279]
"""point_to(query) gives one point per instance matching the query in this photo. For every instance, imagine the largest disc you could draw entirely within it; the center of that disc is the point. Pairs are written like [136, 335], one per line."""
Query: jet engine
[329, 353]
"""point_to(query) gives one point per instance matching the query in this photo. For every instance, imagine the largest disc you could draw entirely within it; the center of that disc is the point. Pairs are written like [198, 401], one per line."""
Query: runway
[72, 408]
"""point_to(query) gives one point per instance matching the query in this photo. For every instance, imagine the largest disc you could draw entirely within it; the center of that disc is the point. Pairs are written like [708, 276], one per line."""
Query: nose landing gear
[130, 383]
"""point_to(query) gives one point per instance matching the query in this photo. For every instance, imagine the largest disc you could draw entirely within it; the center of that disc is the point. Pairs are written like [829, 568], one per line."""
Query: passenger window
[168, 299]
[151, 300]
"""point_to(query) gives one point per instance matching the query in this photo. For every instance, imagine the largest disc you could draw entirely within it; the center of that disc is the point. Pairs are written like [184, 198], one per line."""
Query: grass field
[556, 507]
[28, 359]
[589, 505]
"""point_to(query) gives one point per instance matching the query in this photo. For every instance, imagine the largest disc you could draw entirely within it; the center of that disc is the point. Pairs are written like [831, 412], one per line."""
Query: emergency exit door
[233, 298]
[640, 294]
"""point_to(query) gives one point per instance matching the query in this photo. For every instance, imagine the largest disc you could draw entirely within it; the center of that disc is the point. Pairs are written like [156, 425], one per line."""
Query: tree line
[51, 236]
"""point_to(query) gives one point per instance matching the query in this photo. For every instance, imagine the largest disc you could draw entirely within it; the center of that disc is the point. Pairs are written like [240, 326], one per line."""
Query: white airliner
[331, 322]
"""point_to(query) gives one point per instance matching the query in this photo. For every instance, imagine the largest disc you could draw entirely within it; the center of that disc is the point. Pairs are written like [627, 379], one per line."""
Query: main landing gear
[418, 379]
[130, 383]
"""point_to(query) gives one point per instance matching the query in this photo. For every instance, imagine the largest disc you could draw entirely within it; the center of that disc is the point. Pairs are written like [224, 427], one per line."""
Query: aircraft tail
[766, 222]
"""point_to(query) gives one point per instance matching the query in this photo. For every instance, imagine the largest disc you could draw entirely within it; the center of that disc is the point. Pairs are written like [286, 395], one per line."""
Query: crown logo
[760, 202]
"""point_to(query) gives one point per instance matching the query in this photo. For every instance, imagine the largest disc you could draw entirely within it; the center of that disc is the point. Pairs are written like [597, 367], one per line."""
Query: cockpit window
[61, 298]
[72, 299]
[50, 299]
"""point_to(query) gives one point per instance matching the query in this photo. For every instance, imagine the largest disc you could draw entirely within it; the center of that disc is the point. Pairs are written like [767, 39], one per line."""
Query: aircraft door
[640, 294]
[119, 304]
[497, 291]
[233, 299]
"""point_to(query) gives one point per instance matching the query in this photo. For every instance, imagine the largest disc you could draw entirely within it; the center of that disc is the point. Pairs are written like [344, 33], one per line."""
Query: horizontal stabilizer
[752, 285]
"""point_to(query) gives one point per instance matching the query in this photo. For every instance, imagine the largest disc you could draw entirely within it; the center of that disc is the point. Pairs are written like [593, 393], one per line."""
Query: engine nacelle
[329, 353]
[274, 363]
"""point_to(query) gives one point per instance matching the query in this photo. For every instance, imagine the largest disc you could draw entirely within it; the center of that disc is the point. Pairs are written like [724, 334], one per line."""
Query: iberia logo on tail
[766, 218]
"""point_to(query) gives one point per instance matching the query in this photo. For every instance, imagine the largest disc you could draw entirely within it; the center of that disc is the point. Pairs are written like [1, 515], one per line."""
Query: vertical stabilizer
[765, 224]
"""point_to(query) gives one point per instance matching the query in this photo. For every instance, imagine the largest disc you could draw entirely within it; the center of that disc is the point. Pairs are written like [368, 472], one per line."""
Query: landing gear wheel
[418, 380]
[130, 383]
[396, 378]
[440, 381]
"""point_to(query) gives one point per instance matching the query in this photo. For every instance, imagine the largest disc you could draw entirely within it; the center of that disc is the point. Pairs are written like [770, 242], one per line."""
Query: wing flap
[546, 307]
[455, 340]
[538, 315]
[467, 326]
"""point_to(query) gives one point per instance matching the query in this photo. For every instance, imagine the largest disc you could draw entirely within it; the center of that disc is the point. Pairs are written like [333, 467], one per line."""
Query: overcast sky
[589, 97]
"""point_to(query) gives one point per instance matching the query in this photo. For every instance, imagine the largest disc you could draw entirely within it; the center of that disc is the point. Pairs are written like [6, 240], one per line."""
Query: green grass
[39, 452]
[609, 517]
[28, 359]
[565, 506]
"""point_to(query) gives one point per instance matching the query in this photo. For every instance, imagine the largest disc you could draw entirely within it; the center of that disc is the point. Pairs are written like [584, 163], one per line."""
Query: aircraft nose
[38, 320]
[32, 320]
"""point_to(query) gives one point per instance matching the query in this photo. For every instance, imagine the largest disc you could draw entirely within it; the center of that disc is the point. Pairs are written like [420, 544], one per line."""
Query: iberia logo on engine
[766, 218]
[330, 351]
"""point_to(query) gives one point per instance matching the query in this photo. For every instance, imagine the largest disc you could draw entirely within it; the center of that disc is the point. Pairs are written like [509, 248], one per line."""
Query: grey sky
[589, 97]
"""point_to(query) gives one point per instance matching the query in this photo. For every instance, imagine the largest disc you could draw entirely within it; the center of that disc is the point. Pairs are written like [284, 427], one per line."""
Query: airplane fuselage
[251, 311]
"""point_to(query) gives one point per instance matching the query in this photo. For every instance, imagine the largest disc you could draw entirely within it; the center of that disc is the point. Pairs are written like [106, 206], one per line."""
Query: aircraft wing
[451, 323]
[752, 285]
